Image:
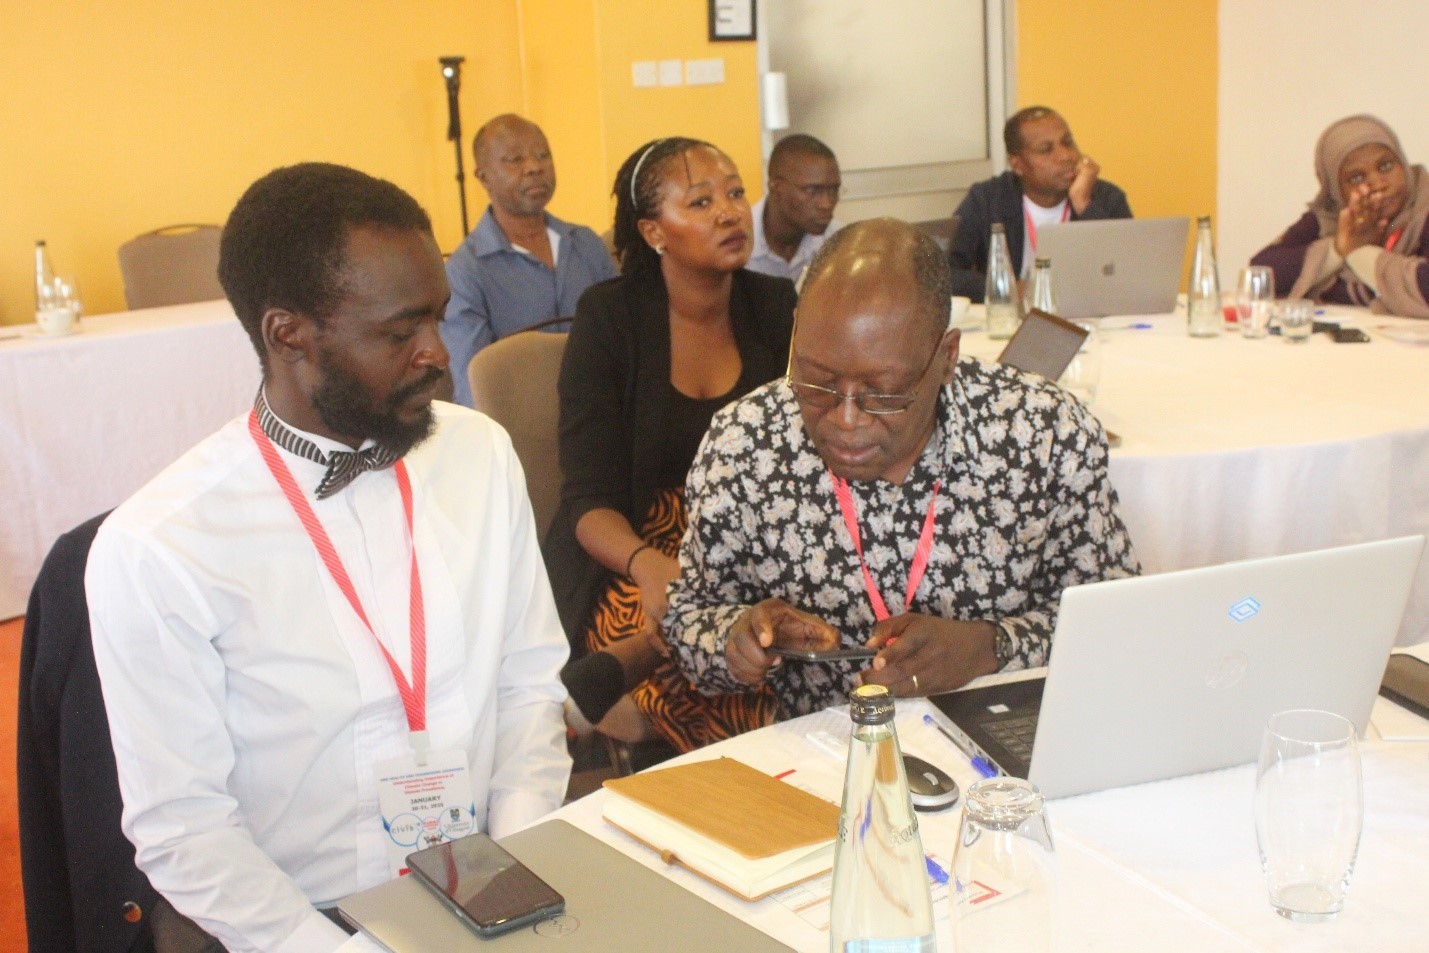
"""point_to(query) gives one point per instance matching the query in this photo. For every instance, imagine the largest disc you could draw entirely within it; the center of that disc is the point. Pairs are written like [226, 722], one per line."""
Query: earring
[659, 249]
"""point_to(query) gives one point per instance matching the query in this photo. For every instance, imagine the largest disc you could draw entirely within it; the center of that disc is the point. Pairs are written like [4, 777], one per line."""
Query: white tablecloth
[86, 420]
[1235, 448]
[1169, 866]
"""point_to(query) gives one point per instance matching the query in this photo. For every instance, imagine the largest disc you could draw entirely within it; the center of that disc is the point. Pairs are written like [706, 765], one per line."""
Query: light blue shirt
[497, 289]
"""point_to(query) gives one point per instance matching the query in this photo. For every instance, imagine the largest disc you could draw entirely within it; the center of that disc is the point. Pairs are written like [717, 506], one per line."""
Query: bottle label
[912, 944]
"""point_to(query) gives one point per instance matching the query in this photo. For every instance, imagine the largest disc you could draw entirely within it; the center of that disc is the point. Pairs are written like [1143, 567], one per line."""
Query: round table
[1235, 448]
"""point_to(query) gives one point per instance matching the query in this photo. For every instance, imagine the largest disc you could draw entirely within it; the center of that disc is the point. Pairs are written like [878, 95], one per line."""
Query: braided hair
[637, 196]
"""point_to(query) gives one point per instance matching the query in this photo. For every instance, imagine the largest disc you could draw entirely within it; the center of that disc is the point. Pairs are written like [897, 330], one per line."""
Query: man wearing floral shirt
[879, 461]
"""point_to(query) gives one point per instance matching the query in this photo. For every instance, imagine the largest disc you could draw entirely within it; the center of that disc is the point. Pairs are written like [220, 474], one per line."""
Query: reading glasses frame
[869, 402]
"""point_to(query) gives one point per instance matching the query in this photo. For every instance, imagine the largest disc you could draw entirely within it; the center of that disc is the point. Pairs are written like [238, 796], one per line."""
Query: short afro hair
[798, 144]
[284, 243]
[1012, 129]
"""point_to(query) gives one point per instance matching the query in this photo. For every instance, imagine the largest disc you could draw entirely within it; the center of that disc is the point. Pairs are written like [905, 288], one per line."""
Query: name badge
[424, 805]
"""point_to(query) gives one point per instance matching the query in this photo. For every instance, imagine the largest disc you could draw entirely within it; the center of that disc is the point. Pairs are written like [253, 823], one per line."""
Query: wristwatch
[1002, 646]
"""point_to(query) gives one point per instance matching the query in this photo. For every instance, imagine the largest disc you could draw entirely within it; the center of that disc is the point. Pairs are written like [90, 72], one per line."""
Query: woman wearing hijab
[1363, 241]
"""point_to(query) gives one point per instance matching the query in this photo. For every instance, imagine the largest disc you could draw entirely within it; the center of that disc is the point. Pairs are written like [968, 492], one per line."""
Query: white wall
[1288, 68]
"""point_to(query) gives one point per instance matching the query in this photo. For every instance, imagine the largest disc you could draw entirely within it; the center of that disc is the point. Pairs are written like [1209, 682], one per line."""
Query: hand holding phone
[832, 655]
[488, 889]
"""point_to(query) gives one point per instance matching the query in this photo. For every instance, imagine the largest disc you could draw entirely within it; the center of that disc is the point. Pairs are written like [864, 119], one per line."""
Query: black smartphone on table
[487, 888]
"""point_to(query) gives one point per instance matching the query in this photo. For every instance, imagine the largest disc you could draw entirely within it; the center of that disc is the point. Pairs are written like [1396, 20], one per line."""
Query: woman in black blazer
[651, 356]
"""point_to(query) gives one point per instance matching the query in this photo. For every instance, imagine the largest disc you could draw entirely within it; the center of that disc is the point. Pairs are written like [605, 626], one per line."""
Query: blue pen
[980, 764]
[1138, 326]
[939, 875]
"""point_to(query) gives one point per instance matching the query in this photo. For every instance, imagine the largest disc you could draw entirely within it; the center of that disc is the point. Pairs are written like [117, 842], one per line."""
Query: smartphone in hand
[487, 888]
[835, 655]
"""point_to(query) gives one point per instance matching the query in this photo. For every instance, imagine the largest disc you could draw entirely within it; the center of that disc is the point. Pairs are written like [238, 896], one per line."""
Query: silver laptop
[613, 905]
[1159, 676]
[1115, 266]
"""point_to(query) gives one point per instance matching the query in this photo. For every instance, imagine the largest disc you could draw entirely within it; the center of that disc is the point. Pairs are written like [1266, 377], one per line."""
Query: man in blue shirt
[520, 266]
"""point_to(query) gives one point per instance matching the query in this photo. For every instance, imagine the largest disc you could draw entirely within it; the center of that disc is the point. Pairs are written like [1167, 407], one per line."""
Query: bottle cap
[1043, 263]
[871, 705]
[997, 228]
[1203, 220]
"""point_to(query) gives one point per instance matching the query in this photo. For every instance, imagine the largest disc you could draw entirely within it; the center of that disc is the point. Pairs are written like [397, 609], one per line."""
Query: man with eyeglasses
[796, 216]
[1049, 180]
[886, 495]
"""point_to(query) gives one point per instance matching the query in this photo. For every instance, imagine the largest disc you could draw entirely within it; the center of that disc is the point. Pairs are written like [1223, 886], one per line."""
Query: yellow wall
[120, 118]
[578, 56]
[1136, 81]
[123, 117]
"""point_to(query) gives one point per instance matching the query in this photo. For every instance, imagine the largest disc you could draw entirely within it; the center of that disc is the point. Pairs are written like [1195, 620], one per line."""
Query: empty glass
[1004, 870]
[1084, 373]
[57, 305]
[1297, 320]
[1255, 300]
[1308, 810]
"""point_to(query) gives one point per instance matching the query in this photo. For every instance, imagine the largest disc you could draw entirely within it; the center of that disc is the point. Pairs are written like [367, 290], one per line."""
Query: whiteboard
[885, 83]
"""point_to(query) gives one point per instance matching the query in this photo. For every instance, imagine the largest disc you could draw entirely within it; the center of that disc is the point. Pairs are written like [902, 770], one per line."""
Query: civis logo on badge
[1244, 609]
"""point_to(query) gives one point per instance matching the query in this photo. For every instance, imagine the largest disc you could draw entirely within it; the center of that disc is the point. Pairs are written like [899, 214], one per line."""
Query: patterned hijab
[1335, 145]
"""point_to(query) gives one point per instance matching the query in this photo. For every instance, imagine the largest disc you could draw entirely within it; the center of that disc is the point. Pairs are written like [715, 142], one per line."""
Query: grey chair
[176, 264]
[513, 381]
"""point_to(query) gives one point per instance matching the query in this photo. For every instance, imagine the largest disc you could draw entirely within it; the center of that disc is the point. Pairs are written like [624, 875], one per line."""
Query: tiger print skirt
[676, 709]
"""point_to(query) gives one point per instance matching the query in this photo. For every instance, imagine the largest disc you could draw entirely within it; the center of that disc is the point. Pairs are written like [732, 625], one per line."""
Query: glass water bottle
[1203, 294]
[881, 900]
[1000, 291]
[1042, 297]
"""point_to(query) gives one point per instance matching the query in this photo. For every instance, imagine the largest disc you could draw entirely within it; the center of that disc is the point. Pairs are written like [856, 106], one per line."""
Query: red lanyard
[1393, 239]
[1032, 229]
[414, 693]
[920, 555]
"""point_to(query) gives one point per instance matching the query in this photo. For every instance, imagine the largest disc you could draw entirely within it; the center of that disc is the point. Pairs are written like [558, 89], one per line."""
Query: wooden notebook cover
[732, 804]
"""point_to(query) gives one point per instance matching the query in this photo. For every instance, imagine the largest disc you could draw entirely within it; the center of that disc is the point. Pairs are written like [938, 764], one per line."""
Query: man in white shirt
[329, 597]
[796, 216]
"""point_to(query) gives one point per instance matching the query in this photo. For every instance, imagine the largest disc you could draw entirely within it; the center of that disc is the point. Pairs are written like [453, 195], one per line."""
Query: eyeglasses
[879, 405]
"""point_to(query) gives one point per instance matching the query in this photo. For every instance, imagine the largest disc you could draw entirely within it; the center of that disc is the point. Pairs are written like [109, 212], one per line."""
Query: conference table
[1168, 866]
[86, 419]
[1235, 448]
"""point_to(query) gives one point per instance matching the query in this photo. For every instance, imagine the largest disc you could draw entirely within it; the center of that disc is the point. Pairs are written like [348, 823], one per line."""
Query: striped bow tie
[343, 466]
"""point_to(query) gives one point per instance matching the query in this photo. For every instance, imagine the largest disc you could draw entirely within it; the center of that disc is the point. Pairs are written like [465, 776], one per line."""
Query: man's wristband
[631, 561]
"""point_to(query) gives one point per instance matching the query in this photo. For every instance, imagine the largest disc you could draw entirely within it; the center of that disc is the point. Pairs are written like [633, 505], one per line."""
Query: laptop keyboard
[1015, 734]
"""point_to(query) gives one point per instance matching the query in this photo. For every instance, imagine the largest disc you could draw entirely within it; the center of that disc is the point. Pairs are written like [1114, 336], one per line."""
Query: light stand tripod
[451, 71]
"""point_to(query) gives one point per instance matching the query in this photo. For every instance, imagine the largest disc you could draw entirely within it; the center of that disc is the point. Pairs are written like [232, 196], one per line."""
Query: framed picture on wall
[731, 20]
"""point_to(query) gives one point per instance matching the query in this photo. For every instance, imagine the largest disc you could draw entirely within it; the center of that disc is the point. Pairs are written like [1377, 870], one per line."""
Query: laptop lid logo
[1244, 609]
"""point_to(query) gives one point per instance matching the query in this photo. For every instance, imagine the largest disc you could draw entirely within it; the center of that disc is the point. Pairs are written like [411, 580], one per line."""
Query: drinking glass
[1308, 810]
[1256, 300]
[57, 305]
[1297, 320]
[1004, 870]
[1084, 372]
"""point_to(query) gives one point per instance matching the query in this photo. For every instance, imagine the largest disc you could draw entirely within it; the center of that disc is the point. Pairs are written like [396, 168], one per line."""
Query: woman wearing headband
[651, 356]
[1364, 240]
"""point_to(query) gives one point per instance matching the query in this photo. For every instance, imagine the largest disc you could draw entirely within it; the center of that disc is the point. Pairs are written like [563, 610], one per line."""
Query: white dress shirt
[249, 705]
[767, 261]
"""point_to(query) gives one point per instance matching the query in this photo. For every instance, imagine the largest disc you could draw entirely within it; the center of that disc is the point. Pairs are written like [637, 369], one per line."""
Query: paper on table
[1395, 724]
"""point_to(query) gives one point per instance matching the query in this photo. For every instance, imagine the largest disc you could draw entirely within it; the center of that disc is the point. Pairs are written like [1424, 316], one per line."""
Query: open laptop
[1115, 266]
[1159, 676]
[614, 904]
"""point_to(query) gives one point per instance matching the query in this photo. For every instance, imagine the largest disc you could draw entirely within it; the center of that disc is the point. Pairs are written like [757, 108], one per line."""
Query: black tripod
[451, 71]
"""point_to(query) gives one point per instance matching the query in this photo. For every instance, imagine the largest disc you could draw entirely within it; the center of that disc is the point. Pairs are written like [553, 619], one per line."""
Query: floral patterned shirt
[1024, 510]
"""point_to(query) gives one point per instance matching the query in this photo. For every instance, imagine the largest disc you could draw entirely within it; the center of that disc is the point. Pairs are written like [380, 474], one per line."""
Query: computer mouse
[930, 788]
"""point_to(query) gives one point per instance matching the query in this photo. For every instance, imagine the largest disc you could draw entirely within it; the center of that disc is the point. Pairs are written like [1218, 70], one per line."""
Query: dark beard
[347, 408]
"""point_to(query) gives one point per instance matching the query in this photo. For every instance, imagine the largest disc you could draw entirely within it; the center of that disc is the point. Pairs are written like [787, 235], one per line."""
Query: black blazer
[999, 199]
[78, 869]
[614, 392]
